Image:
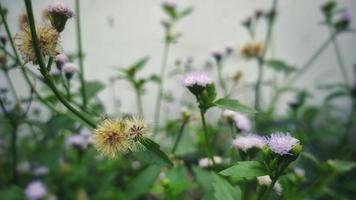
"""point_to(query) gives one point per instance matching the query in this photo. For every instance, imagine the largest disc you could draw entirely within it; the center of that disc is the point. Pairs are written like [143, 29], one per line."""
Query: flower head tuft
[197, 79]
[60, 8]
[69, 69]
[281, 143]
[248, 141]
[112, 138]
[47, 38]
[35, 190]
[242, 122]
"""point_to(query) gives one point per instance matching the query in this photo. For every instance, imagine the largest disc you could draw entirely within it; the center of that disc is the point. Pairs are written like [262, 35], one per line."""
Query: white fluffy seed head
[281, 143]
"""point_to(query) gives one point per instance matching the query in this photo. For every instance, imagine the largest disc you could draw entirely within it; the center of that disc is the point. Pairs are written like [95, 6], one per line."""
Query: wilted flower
[60, 60]
[47, 40]
[23, 20]
[207, 162]
[196, 79]
[252, 50]
[136, 129]
[281, 143]
[266, 181]
[59, 13]
[69, 69]
[35, 190]
[112, 138]
[242, 122]
[248, 141]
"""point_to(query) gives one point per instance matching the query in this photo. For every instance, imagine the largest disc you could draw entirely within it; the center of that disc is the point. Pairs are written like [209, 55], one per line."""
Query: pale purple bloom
[40, 171]
[60, 60]
[69, 68]
[281, 143]
[169, 4]
[196, 79]
[80, 140]
[242, 122]
[60, 8]
[248, 141]
[35, 190]
[346, 16]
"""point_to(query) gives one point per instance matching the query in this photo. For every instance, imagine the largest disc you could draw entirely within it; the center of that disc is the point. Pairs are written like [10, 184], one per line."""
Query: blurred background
[116, 33]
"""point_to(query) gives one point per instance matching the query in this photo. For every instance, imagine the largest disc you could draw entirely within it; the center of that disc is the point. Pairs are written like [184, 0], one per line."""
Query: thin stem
[261, 59]
[139, 102]
[160, 86]
[80, 55]
[12, 88]
[180, 133]
[232, 129]
[339, 59]
[221, 80]
[43, 68]
[311, 60]
[206, 137]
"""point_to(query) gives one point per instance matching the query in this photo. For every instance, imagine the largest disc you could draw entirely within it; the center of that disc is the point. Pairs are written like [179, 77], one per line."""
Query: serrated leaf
[155, 148]
[341, 166]
[234, 105]
[93, 88]
[245, 169]
[223, 190]
[143, 181]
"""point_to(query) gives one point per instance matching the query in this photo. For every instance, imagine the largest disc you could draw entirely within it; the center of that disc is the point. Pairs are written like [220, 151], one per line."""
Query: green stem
[258, 84]
[139, 102]
[231, 125]
[160, 86]
[180, 133]
[206, 137]
[221, 80]
[80, 55]
[311, 60]
[12, 88]
[339, 59]
[43, 68]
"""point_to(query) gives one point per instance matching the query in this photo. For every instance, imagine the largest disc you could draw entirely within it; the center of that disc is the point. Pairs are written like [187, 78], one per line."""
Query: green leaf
[204, 179]
[341, 166]
[92, 88]
[245, 169]
[155, 148]
[185, 12]
[223, 190]
[12, 192]
[234, 105]
[143, 181]
[280, 66]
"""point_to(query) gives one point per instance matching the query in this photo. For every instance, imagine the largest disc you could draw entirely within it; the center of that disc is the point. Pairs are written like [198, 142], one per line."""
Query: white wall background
[118, 32]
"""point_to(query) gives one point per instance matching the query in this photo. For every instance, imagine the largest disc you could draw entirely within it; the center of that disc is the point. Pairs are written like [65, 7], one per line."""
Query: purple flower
[242, 122]
[60, 8]
[281, 143]
[35, 190]
[80, 140]
[60, 60]
[69, 69]
[248, 141]
[346, 16]
[196, 79]
[40, 171]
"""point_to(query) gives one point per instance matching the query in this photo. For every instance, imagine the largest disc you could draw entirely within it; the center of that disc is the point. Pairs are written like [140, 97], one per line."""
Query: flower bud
[59, 13]
[69, 69]
[3, 39]
[217, 55]
[60, 60]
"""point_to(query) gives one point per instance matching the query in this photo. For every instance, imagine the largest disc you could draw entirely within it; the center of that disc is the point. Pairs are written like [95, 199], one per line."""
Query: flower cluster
[252, 50]
[35, 190]
[119, 136]
[266, 181]
[197, 79]
[281, 143]
[47, 39]
[248, 141]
